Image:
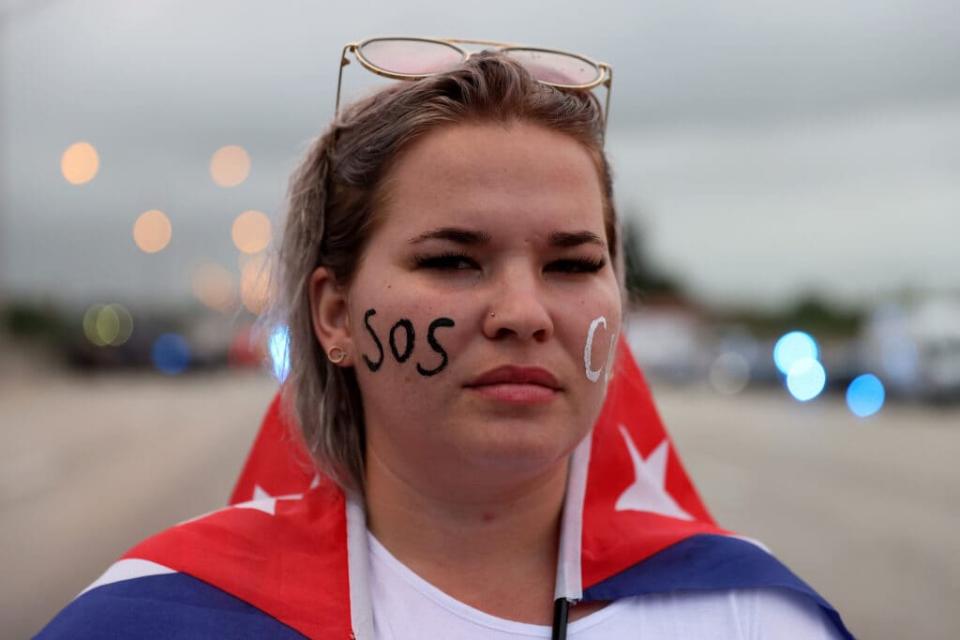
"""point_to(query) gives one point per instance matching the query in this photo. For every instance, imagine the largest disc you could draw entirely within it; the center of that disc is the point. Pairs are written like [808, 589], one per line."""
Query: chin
[518, 445]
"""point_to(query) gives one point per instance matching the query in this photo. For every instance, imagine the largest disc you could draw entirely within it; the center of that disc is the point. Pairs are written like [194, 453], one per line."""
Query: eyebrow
[454, 234]
[565, 239]
[468, 237]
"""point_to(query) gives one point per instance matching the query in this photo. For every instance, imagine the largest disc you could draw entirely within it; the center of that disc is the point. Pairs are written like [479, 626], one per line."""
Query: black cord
[561, 611]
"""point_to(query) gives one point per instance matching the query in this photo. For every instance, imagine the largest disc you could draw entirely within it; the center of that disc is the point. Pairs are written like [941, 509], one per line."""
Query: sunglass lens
[556, 68]
[411, 57]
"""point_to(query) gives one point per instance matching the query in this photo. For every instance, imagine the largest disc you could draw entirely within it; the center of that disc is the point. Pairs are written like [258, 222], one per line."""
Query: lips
[517, 385]
[516, 375]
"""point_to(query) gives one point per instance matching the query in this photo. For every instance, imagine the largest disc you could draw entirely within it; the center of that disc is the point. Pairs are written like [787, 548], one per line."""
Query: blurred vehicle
[171, 342]
[668, 342]
[915, 347]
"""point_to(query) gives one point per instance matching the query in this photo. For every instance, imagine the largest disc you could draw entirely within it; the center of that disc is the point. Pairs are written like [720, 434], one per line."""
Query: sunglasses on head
[410, 58]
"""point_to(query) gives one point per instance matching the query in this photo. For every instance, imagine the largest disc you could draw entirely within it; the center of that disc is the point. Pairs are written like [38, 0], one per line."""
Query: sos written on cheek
[405, 326]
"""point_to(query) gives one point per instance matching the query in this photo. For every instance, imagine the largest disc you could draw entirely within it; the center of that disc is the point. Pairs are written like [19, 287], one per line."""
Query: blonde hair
[333, 200]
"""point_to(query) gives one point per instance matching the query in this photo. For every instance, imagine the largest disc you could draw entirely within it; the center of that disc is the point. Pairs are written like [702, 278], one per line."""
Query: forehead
[508, 176]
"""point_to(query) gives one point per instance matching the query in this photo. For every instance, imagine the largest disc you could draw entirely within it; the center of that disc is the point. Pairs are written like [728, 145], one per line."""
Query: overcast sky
[770, 148]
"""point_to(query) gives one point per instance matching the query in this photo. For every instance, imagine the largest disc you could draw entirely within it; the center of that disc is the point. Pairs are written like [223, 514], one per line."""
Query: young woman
[453, 293]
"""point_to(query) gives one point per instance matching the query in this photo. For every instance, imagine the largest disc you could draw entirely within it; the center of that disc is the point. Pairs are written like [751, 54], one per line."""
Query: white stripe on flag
[128, 569]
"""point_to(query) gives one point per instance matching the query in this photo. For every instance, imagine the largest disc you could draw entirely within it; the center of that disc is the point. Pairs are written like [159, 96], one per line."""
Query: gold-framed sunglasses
[414, 58]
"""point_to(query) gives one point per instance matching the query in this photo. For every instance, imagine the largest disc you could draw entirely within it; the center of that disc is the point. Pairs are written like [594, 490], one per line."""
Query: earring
[336, 355]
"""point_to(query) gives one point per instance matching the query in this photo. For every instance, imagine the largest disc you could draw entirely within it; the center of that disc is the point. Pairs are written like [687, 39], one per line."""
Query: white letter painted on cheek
[611, 358]
[592, 374]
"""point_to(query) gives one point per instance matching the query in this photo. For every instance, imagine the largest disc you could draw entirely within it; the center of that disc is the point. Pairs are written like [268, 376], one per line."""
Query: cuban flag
[287, 558]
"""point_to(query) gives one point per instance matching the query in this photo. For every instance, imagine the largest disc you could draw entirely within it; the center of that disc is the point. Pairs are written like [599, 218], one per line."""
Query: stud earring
[336, 355]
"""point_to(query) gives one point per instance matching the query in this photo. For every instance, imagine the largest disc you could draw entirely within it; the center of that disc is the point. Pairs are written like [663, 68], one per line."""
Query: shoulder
[780, 613]
[738, 575]
[741, 614]
[149, 601]
[236, 572]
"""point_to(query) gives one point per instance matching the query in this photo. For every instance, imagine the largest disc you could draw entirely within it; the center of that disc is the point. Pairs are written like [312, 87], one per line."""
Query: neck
[492, 546]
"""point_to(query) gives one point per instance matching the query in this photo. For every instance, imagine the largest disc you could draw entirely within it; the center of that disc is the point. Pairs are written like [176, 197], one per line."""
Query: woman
[452, 287]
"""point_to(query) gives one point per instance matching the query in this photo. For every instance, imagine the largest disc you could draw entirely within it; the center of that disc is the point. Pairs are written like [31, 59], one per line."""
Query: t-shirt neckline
[472, 614]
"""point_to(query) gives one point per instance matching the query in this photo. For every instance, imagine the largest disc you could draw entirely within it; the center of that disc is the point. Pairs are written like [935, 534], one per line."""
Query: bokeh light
[255, 284]
[152, 231]
[251, 232]
[729, 373]
[806, 379]
[214, 286]
[279, 347]
[79, 163]
[793, 347]
[865, 395]
[90, 325]
[230, 165]
[170, 353]
[107, 325]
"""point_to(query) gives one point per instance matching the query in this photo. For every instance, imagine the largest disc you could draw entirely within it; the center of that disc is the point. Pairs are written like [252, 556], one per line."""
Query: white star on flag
[263, 501]
[648, 491]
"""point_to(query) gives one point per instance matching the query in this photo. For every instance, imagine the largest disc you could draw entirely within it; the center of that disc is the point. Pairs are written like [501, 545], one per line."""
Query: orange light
[152, 231]
[79, 163]
[255, 284]
[230, 166]
[214, 286]
[251, 232]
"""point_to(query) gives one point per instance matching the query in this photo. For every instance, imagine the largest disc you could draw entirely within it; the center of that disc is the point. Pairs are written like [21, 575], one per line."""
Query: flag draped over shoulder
[635, 525]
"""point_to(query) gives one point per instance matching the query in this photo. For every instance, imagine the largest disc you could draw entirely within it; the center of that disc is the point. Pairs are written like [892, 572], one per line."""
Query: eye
[576, 265]
[446, 262]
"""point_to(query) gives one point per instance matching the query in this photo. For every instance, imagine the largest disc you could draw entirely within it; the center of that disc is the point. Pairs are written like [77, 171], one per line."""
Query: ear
[330, 314]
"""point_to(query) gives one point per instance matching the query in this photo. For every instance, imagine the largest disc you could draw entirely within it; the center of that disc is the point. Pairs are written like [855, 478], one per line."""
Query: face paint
[409, 340]
[432, 340]
[407, 326]
[611, 355]
[373, 366]
[592, 374]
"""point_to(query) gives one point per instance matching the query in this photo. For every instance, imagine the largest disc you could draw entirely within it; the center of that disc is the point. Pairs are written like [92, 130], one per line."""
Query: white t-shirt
[405, 606]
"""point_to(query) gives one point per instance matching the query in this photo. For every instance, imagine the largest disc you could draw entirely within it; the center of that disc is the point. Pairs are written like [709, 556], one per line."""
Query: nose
[518, 307]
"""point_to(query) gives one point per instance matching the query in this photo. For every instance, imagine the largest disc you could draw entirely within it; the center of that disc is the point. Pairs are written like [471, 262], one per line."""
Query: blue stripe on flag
[709, 562]
[163, 606]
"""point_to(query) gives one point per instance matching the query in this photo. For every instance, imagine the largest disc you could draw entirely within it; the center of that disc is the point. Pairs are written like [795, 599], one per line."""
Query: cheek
[595, 329]
[407, 341]
[598, 349]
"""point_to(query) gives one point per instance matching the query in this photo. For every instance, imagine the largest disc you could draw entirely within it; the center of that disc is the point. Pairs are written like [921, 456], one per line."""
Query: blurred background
[788, 175]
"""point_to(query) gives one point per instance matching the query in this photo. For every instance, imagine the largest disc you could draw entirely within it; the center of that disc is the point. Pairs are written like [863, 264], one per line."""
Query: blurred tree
[809, 313]
[40, 321]
[643, 279]
[816, 315]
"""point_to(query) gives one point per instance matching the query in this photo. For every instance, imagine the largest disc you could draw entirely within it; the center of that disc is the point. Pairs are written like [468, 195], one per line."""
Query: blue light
[865, 395]
[279, 346]
[170, 353]
[793, 347]
[806, 379]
